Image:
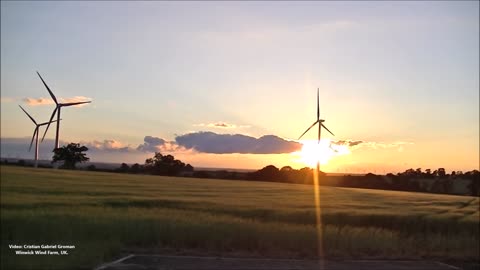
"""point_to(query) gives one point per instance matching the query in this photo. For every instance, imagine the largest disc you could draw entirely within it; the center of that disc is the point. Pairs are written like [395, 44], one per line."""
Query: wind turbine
[318, 121]
[58, 107]
[35, 134]
[316, 182]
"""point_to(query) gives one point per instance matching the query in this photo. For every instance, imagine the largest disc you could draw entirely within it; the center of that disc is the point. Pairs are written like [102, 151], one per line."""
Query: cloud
[49, 101]
[348, 143]
[173, 147]
[155, 144]
[38, 101]
[383, 145]
[355, 144]
[107, 145]
[209, 142]
[221, 124]
[151, 144]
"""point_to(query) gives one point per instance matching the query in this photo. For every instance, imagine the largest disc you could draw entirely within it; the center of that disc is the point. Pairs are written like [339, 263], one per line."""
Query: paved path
[159, 262]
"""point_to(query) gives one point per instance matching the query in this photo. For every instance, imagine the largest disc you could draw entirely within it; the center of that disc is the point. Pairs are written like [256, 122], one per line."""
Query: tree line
[437, 181]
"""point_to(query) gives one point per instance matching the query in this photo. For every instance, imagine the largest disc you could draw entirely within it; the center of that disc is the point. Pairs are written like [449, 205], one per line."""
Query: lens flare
[318, 216]
[313, 152]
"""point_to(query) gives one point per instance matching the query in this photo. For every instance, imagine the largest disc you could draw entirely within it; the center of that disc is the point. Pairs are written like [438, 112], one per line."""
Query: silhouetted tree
[474, 186]
[428, 174]
[286, 169]
[268, 173]
[287, 174]
[124, 168]
[410, 173]
[188, 168]
[70, 154]
[165, 165]
[136, 168]
[441, 172]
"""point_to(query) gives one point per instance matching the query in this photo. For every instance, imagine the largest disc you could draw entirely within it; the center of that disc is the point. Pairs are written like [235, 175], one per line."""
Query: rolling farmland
[105, 214]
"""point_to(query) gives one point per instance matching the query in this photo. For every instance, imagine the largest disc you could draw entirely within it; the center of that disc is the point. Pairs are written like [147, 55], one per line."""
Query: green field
[106, 214]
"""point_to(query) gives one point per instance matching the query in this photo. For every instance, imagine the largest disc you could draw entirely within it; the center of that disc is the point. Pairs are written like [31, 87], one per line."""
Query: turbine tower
[58, 107]
[35, 134]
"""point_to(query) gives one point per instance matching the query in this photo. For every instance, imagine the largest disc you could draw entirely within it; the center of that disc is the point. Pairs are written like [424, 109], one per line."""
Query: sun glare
[313, 152]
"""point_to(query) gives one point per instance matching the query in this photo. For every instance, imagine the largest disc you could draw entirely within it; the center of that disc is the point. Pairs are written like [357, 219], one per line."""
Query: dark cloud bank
[209, 142]
[150, 144]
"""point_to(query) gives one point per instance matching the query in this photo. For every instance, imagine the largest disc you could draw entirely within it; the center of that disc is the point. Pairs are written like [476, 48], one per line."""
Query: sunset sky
[233, 84]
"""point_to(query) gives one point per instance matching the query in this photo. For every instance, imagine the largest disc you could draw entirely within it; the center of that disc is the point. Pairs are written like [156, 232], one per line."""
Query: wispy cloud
[210, 142]
[377, 145]
[355, 144]
[38, 101]
[220, 124]
[399, 146]
[48, 101]
[349, 143]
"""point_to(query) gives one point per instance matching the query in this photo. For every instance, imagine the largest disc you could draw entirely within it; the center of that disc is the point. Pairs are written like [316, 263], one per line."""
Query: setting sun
[313, 152]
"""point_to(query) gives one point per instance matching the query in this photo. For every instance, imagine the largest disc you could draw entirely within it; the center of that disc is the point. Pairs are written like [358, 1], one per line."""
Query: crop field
[105, 214]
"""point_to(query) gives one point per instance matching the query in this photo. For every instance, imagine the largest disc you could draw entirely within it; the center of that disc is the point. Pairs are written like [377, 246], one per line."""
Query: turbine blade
[49, 122]
[49, 91]
[46, 123]
[307, 129]
[27, 114]
[327, 129]
[318, 105]
[33, 137]
[75, 103]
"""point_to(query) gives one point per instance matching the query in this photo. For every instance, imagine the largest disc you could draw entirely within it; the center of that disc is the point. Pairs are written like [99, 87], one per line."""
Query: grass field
[105, 214]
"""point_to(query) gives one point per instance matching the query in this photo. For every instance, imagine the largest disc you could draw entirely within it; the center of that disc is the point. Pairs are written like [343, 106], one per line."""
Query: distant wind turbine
[57, 109]
[35, 134]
